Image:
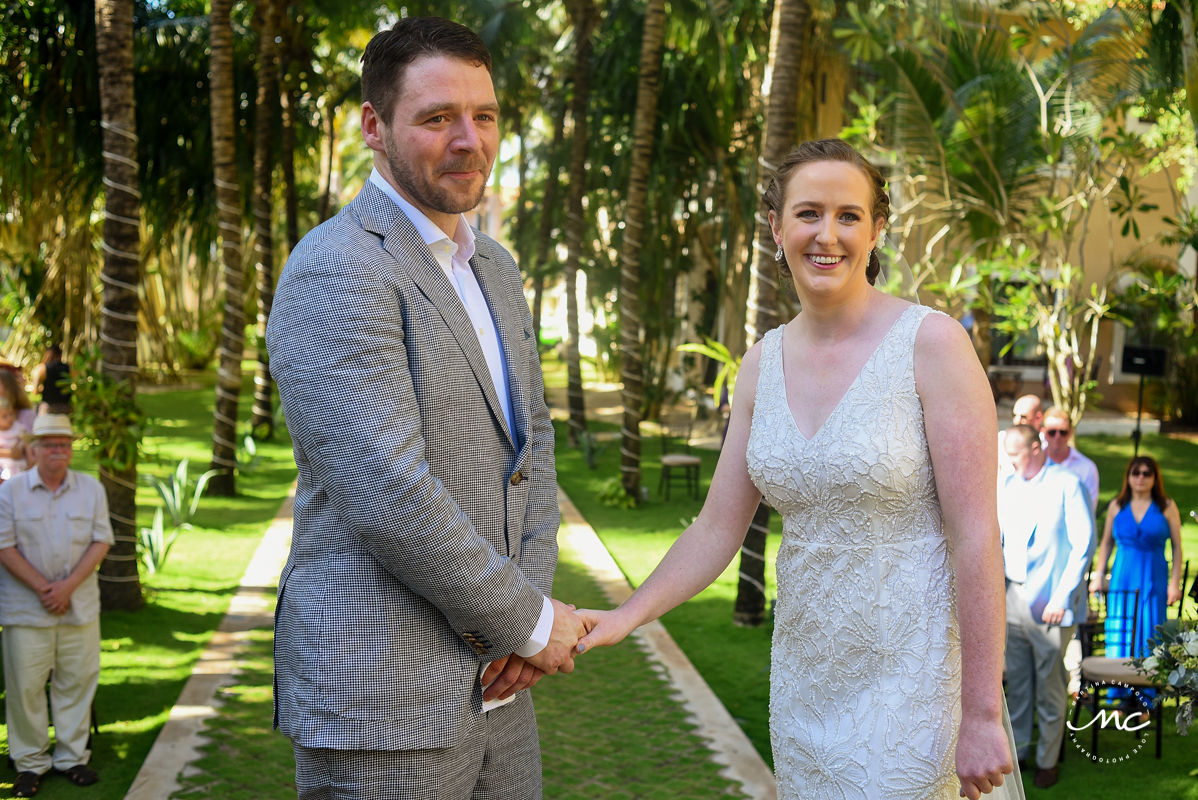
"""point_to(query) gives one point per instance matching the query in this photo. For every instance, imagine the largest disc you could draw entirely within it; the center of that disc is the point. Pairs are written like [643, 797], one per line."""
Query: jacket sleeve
[1079, 530]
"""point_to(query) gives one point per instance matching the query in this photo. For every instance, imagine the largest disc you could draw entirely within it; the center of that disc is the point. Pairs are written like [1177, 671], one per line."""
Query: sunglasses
[1142, 473]
[1055, 432]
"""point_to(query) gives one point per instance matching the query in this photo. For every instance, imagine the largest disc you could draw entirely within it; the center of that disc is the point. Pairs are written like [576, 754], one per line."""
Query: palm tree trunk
[262, 420]
[523, 207]
[631, 369]
[1189, 57]
[548, 204]
[120, 585]
[749, 610]
[228, 203]
[287, 101]
[782, 85]
[584, 17]
[326, 172]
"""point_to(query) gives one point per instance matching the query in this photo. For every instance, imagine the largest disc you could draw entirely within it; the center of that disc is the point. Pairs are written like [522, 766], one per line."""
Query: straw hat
[50, 425]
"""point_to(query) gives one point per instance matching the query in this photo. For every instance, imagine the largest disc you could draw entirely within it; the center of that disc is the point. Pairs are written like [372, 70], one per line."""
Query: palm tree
[584, 17]
[1008, 145]
[267, 12]
[782, 85]
[540, 266]
[120, 584]
[228, 203]
[630, 252]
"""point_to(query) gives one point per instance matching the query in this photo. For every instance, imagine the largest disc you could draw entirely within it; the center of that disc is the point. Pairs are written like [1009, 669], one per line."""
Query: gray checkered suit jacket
[425, 530]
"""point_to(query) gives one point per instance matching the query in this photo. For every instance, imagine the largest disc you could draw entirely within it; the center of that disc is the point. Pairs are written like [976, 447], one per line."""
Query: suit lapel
[381, 216]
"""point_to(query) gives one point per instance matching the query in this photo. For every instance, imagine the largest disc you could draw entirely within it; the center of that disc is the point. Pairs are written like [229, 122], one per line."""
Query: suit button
[517, 477]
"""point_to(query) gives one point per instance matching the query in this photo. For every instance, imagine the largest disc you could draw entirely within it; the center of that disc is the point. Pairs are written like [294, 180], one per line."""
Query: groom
[416, 598]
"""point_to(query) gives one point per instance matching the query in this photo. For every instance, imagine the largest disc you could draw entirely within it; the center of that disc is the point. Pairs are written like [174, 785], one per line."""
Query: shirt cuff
[540, 634]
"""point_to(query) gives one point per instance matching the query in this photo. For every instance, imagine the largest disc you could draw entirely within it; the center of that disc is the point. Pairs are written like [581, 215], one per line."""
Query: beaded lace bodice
[865, 698]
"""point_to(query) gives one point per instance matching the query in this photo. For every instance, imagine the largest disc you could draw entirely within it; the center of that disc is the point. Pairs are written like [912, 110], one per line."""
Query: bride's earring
[778, 255]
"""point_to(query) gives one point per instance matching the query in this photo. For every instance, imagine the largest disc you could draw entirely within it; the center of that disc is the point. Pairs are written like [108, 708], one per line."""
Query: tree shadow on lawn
[146, 657]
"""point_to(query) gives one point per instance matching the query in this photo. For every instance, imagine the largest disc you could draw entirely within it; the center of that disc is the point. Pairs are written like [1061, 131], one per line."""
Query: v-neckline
[782, 371]
[1132, 511]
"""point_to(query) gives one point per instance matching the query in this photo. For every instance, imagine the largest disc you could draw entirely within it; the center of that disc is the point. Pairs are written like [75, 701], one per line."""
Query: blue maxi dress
[1139, 564]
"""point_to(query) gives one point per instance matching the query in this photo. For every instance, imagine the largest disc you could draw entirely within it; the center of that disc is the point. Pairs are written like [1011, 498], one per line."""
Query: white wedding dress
[866, 666]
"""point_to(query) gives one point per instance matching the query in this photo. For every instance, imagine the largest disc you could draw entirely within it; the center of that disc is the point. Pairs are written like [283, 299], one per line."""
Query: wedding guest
[1056, 432]
[1139, 522]
[54, 532]
[869, 424]
[1047, 528]
[1027, 410]
[12, 446]
[51, 379]
[12, 388]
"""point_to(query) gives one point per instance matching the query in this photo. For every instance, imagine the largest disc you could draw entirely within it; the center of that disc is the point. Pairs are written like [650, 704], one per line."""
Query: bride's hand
[603, 628]
[983, 756]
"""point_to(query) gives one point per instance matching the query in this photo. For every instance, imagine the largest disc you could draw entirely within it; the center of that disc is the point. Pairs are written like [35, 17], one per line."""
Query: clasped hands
[574, 632]
[510, 674]
[56, 597]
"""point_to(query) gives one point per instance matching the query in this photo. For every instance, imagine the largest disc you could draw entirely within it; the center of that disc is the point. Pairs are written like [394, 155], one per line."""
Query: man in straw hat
[54, 532]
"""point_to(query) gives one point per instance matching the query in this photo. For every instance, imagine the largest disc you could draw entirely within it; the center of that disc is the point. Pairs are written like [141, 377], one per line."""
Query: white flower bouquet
[1173, 666]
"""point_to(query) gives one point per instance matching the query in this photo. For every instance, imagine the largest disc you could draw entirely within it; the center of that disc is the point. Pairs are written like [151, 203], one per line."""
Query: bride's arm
[960, 421]
[703, 550]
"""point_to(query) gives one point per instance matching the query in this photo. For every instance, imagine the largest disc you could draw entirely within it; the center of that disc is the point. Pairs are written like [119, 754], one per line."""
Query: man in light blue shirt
[1047, 527]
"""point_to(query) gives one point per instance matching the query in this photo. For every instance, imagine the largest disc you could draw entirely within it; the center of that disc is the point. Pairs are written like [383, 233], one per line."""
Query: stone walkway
[177, 745]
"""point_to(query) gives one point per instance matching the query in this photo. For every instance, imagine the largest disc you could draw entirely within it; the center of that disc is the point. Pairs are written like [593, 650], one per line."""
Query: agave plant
[153, 545]
[179, 497]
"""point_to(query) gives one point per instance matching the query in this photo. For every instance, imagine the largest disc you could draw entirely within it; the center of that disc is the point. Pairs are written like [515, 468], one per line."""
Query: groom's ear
[372, 128]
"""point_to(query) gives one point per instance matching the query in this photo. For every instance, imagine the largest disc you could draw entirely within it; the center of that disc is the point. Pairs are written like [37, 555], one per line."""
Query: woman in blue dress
[1138, 523]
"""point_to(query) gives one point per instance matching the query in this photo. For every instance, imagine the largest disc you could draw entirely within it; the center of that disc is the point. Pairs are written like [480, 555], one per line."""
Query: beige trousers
[68, 656]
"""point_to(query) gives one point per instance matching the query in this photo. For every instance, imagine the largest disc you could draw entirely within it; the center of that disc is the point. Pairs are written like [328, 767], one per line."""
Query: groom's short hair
[389, 53]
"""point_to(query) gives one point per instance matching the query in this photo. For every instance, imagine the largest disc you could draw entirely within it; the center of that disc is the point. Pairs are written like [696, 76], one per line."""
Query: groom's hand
[558, 655]
[506, 676]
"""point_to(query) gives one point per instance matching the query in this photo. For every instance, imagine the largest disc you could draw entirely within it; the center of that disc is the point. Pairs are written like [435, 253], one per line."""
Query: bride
[868, 423]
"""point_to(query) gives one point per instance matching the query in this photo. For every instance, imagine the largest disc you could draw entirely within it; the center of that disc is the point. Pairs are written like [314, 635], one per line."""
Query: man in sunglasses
[1056, 431]
[1047, 531]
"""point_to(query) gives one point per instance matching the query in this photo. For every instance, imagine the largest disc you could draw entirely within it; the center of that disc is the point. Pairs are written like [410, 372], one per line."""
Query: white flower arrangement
[1173, 666]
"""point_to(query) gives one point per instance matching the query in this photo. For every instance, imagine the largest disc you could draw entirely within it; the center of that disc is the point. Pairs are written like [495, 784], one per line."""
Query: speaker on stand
[1145, 362]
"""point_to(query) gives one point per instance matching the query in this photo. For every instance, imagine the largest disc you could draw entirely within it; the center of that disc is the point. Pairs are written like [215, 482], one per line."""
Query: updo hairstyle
[829, 150]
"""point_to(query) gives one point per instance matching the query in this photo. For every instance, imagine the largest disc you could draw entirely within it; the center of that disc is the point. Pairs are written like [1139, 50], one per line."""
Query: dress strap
[909, 321]
[769, 370]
